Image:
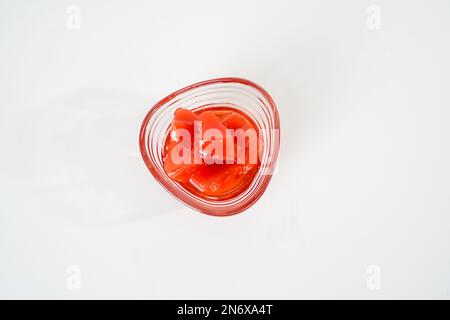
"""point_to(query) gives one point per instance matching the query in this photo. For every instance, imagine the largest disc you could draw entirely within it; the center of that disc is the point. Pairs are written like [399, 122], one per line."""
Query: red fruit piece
[236, 121]
[184, 119]
[210, 179]
[210, 121]
[180, 171]
[177, 170]
[246, 130]
[219, 180]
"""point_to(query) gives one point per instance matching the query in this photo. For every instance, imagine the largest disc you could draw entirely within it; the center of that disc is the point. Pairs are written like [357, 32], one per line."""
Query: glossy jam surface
[211, 170]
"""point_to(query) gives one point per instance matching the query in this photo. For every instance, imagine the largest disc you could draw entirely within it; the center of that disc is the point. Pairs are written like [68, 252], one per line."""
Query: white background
[364, 173]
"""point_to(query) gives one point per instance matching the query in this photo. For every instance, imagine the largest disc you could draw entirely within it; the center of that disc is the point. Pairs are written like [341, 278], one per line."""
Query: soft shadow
[86, 159]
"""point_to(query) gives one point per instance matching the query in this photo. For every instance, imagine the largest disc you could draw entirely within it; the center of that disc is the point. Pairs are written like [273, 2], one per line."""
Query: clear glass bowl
[238, 93]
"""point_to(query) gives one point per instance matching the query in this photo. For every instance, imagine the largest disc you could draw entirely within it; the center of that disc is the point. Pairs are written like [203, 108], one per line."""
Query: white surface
[364, 173]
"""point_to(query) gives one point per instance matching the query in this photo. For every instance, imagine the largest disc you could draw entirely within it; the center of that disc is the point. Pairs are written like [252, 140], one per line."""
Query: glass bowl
[238, 93]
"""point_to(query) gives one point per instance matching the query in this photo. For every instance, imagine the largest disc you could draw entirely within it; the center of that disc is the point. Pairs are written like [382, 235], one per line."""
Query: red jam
[203, 153]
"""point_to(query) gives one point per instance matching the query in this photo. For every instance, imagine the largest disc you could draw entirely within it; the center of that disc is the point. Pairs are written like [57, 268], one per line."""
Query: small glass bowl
[238, 93]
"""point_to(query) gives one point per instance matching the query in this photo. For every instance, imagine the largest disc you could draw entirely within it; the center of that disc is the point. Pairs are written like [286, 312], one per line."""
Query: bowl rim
[149, 163]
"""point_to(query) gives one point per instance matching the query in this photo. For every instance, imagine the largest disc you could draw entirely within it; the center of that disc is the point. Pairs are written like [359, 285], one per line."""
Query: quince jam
[212, 152]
